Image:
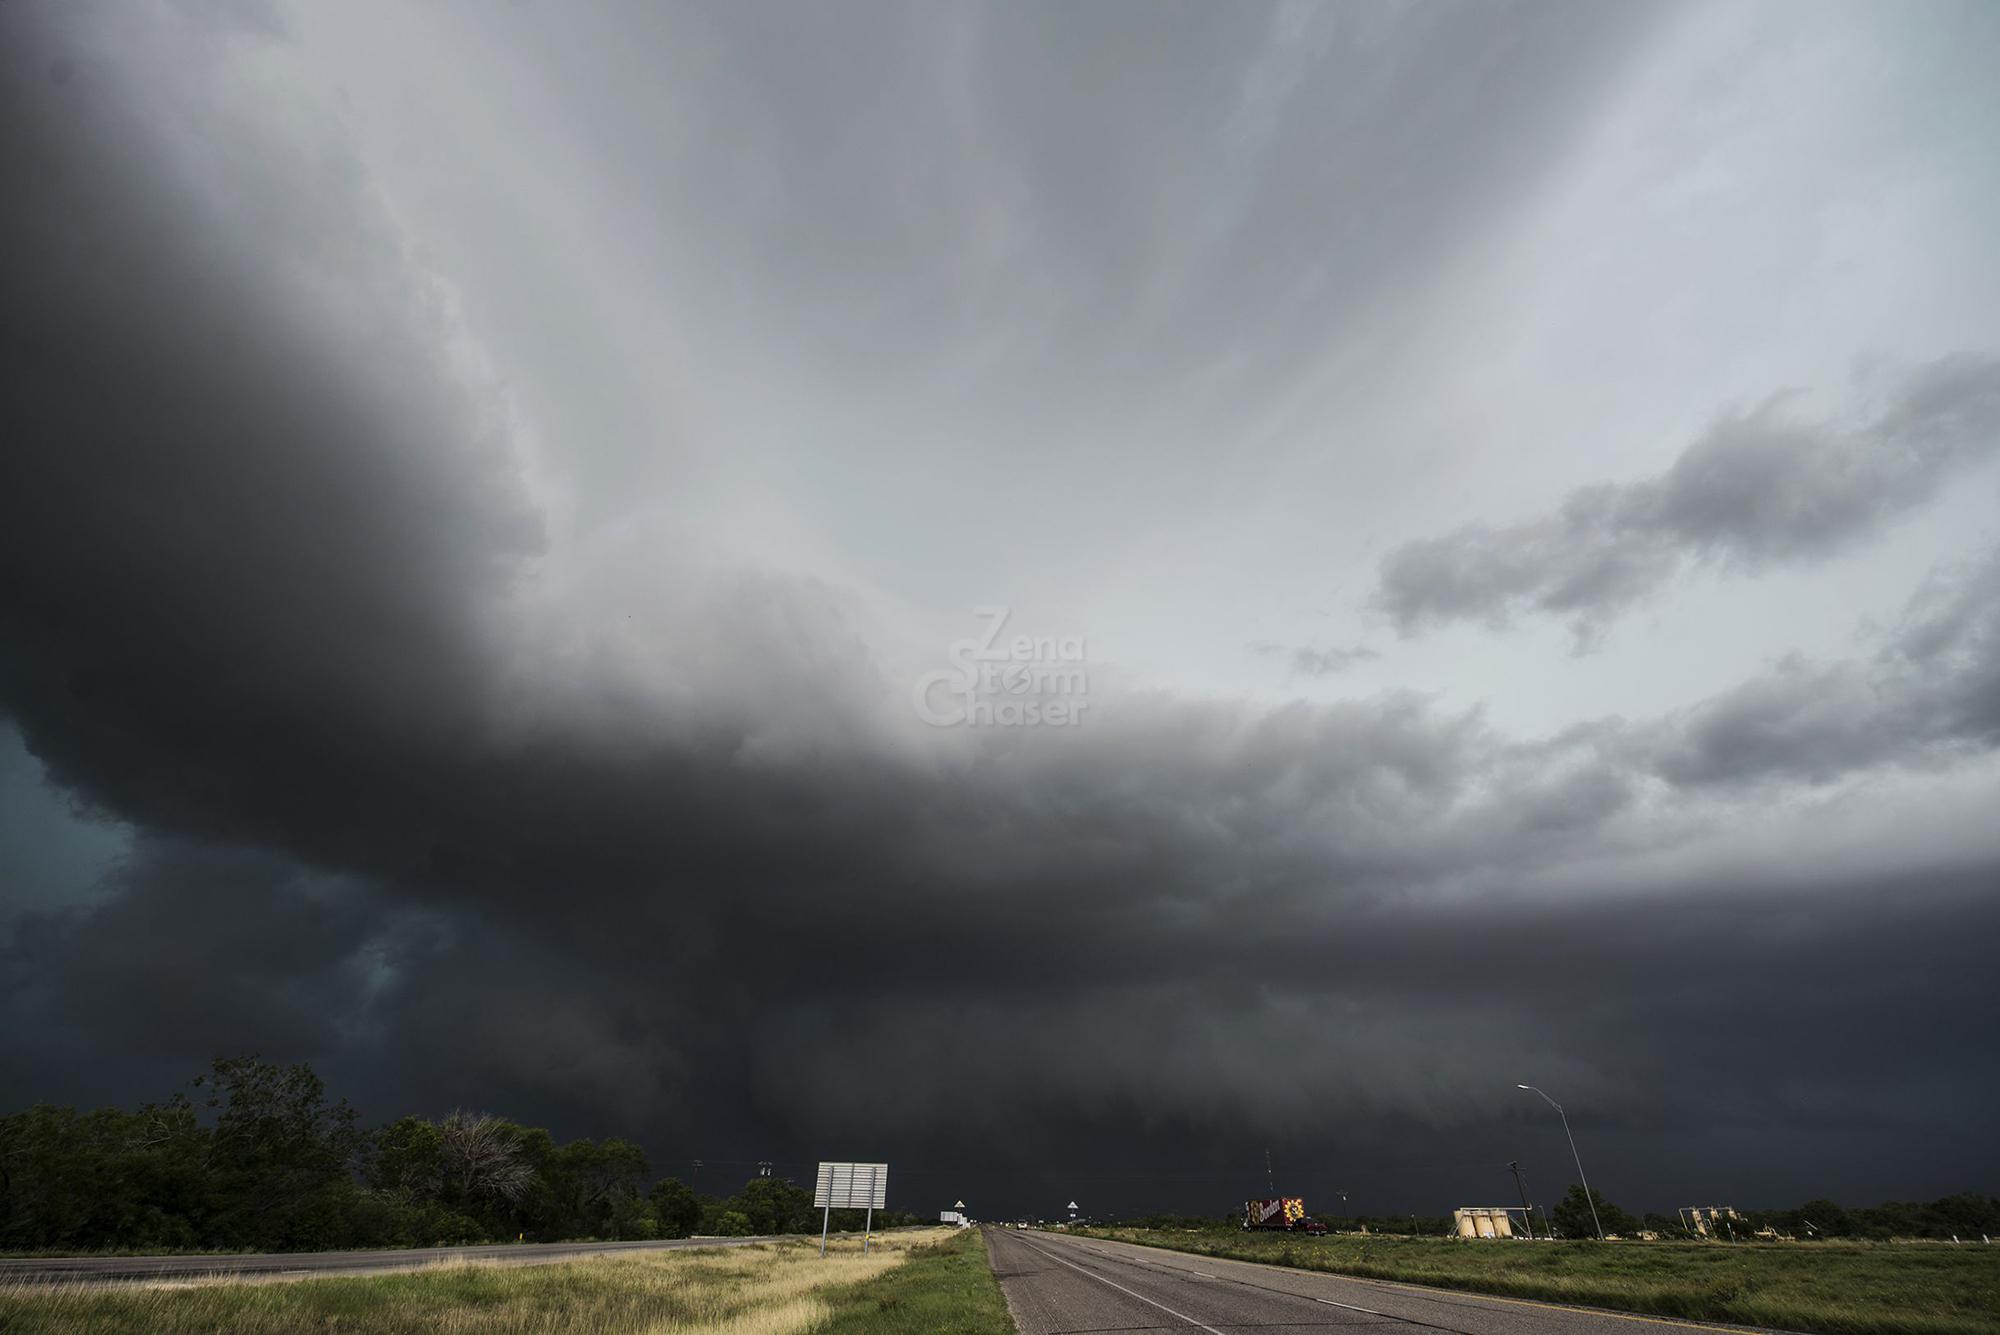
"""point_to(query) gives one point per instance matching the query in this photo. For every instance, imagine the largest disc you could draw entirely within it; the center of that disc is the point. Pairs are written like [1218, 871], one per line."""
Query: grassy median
[1851, 1288]
[945, 1288]
[768, 1289]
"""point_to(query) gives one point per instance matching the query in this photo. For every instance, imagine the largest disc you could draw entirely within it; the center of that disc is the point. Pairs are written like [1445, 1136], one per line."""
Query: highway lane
[1056, 1284]
[299, 1265]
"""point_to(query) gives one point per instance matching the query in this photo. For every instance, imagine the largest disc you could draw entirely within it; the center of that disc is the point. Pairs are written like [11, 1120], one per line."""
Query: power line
[986, 1170]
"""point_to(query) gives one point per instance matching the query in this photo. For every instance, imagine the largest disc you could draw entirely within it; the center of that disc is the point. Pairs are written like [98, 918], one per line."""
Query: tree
[408, 1157]
[676, 1208]
[1964, 1215]
[107, 1178]
[480, 1160]
[773, 1205]
[592, 1182]
[1572, 1214]
[1819, 1219]
[280, 1155]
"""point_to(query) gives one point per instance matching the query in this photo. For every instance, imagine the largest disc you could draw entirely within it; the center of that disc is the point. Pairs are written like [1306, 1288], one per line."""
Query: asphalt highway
[1061, 1285]
[298, 1265]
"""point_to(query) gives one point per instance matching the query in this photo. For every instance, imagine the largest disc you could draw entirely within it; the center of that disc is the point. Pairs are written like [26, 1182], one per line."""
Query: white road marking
[1178, 1316]
[1178, 1270]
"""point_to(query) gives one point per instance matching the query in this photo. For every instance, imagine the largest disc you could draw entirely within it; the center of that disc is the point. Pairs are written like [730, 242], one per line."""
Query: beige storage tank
[1476, 1221]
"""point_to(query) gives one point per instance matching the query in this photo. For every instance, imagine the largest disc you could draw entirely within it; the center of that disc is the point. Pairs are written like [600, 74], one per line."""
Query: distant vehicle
[1285, 1212]
[1312, 1226]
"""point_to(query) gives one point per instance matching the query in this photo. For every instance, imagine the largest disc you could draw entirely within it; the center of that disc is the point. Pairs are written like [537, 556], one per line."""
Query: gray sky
[486, 486]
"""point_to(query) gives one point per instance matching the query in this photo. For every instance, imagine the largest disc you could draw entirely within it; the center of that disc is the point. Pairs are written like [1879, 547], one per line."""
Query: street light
[1588, 1199]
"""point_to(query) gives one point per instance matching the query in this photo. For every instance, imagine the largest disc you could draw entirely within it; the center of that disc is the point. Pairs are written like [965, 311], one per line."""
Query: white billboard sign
[851, 1186]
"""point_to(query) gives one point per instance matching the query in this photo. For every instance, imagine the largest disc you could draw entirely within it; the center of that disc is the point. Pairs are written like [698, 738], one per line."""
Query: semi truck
[1285, 1212]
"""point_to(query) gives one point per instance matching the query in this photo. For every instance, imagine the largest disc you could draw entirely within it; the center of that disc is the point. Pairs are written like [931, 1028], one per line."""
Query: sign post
[850, 1186]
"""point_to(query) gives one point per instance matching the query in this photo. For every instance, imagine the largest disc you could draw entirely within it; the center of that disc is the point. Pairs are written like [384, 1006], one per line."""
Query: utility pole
[1588, 1198]
[1270, 1182]
[1521, 1185]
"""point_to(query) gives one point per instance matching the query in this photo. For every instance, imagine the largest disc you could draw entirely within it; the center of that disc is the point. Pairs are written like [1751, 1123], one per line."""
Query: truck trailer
[1284, 1212]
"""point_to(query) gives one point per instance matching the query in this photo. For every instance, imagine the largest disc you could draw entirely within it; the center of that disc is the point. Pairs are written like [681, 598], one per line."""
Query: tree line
[1967, 1216]
[258, 1158]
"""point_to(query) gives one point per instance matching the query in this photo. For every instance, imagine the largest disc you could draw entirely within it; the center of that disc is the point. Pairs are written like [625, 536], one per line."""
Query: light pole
[1588, 1199]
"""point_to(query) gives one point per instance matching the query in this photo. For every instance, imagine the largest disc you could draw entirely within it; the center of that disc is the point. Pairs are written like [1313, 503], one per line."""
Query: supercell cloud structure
[482, 489]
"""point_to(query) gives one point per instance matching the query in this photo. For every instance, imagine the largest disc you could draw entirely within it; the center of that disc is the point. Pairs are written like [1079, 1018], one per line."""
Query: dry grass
[768, 1289]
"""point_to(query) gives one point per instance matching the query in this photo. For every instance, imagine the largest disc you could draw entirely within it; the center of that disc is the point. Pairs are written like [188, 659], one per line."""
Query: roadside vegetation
[945, 1288]
[1857, 1288]
[257, 1157]
[920, 1280]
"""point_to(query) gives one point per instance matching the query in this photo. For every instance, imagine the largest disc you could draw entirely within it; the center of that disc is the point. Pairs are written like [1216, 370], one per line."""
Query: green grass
[945, 1288]
[780, 1288]
[1848, 1288]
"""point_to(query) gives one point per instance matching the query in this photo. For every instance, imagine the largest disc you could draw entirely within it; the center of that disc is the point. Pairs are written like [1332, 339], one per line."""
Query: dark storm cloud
[266, 540]
[242, 466]
[1759, 489]
[193, 939]
[1933, 690]
[1387, 1012]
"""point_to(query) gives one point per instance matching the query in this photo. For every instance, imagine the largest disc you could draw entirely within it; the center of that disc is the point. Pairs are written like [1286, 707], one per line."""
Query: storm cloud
[497, 675]
[1308, 661]
[1760, 488]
